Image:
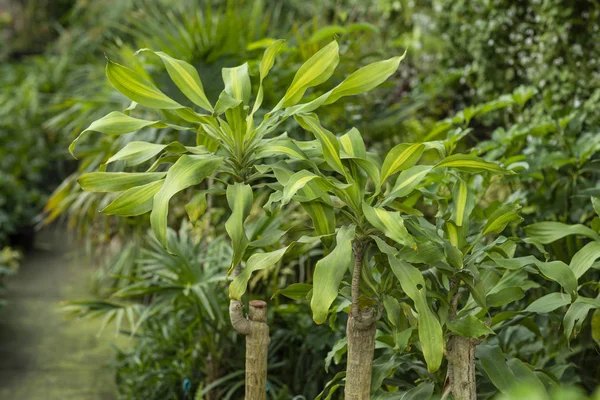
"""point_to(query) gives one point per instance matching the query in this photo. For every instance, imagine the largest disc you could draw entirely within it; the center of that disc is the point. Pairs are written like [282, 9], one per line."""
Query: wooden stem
[461, 367]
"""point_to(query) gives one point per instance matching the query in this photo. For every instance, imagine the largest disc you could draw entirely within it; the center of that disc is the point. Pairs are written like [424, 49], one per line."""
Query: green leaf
[135, 153]
[549, 303]
[504, 296]
[365, 79]
[295, 291]
[328, 141]
[469, 326]
[401, 157]
[408, 180]
[576, 314]
[548, 232]
[256, 262]
[186, 78]
[138, 89]
[296, 182]
[135, 201]
[389, 223]
[329, 272]
[471, 164]
[596, 204]
[237, 82]
[500, 218]
[494, 364]
[266, 63]
[584, 258]
[393, 310]
[116, 123]
[464, 201]
[313, 72]
[187, 171]
[525, 375]
[225, 102]
[322, 216]
[353, 144]
[412, 283]
[116, 181]
[240, 199]
[197, 206]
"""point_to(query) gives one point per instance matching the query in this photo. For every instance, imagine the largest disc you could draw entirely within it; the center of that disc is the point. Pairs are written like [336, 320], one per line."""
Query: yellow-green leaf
[328, 141]
[266, 63]
[390, 223]
[500, 218]
[329, 273]
[186, 78]
[135, 201]
[584, 258]
[237, 82]
[240, 199]
[187, 171]
[401, 157]
[138, 89]
[464, 201]
[117, 181]
[408, 180]
[471, 164]
[135, 153]
[548, 232]
[313, 72]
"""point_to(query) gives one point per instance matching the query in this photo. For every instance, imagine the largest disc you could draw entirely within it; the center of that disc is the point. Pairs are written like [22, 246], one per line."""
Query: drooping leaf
[548, 232]
[400, 158]
[329, 272]
[328, 141]
[135, 201]
[408, 180]
[135, 153]
[187, 171]
[413, 284]
[549, 303]
[469, 326]
[313, 72]
[295, 291]
[471, 164]
[390, 223]
[117, 181]
[256, 262]
[240, 199]
[494, 364]
[138, 89]
[186, 78]
[266, 63]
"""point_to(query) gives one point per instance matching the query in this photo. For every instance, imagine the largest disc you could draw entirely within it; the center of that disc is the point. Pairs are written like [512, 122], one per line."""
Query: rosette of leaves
[231, 148]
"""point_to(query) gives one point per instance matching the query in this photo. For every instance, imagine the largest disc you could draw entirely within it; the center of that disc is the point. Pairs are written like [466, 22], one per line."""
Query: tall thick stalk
[361, 336]
[256, 330]
[460, 353]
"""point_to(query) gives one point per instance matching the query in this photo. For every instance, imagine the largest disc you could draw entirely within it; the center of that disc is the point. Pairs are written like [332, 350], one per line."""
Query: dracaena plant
[231, 145]
[351, 194]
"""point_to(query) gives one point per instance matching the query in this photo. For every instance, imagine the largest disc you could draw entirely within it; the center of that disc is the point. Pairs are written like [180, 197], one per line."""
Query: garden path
[44, 356]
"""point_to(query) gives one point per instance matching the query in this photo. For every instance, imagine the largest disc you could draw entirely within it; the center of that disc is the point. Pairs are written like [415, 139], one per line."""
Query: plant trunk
[256, 330]
[360, 332]
[461, 367]
[361, 348]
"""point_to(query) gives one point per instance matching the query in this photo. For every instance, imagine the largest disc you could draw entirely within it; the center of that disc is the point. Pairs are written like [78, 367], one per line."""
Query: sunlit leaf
[135, 201]
[117, 181]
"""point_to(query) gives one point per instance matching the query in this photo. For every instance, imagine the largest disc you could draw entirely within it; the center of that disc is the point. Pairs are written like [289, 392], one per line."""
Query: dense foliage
[487, 231]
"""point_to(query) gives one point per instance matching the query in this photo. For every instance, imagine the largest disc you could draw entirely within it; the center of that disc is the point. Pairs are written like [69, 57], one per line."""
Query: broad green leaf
[575, 315]
[464, 201]
[469, 326]
[393, 310]
[584, 258]
[525, 375]
[313, 72]
[549, 303]
[408, 180]
[494, 364]
[138, 89]
[504, 296]
[135, 201]
[500, 218]
[187, 171]
[197, 206]
[135, 153]
[240, 199]
[266, 63]
[116, 181]
[295, 291]
[353, 144]
[413, 284]
[595, 326]
[237, 82]
[329, 273]
[382, 367]
[401, 157]
[328, 141]
[295, 183]
[256, 262]
[283, 147]
[186, 78]
[596, 204]
[225, 102]
[365, 79]
[116, 123]
[389, 223]
[322, 216]
[548, 232]
[471, 164]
